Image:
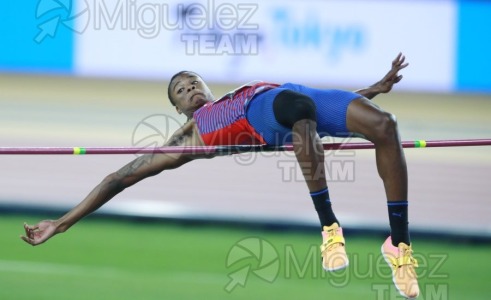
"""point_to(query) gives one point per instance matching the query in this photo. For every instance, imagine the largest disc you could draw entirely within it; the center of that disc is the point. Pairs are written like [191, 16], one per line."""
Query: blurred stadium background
[94, 73]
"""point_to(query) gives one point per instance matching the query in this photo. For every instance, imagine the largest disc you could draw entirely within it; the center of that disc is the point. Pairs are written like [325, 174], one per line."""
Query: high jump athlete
[272, 114]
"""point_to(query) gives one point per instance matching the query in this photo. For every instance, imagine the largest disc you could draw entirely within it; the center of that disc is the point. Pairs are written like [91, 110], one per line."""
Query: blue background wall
[29, 48]
[473, 48]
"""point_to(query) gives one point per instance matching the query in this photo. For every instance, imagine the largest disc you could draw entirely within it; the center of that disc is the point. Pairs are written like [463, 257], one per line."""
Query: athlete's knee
[385, 127]
[290, 107]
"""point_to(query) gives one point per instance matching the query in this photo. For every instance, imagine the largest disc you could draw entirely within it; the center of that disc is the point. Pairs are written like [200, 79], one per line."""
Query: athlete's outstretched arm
[139, 169]
[387, 82]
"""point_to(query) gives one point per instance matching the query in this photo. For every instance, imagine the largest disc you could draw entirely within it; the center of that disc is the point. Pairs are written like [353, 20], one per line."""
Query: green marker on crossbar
[420, 144]
[78, 150]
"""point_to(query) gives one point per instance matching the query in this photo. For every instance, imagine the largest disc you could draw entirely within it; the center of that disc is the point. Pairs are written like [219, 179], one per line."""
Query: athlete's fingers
[394, 62]
[400, 68]
[30, 230]
[27, 240]
[33, 227]
[401, 61]
[27, 230]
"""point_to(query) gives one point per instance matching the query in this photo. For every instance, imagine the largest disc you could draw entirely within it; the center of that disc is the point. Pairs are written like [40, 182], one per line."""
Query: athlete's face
[189, 93]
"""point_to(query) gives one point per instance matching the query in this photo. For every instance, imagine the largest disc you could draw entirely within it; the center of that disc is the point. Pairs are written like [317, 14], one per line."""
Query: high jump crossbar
[227, 150]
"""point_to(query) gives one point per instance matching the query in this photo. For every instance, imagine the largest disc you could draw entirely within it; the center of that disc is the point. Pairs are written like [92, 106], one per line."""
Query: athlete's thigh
[363, 117]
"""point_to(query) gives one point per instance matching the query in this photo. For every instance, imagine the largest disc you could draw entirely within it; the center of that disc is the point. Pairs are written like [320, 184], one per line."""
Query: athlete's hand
[392, 77]
[39, 233]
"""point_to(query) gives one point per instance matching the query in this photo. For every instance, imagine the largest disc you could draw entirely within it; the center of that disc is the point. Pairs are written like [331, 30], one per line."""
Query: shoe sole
[393, 281]
[335, 269]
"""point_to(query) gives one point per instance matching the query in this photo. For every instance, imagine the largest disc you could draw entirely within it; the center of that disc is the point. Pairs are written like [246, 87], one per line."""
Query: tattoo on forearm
[178, 139]
[134, 165]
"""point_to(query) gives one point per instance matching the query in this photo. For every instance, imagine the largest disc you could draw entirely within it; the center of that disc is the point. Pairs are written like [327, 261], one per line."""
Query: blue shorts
[331, 105]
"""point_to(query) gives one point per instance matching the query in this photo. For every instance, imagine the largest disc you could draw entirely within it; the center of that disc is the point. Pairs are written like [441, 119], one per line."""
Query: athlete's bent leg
[298, 112]
[380, 127]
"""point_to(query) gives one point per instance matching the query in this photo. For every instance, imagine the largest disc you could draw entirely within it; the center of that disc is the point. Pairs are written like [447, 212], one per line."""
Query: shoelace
[413, 263]
[331, 242]
[406, 259]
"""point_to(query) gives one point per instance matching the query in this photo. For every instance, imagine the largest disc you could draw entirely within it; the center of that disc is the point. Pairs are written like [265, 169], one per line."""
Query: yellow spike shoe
[332, 249]
[403, 266]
